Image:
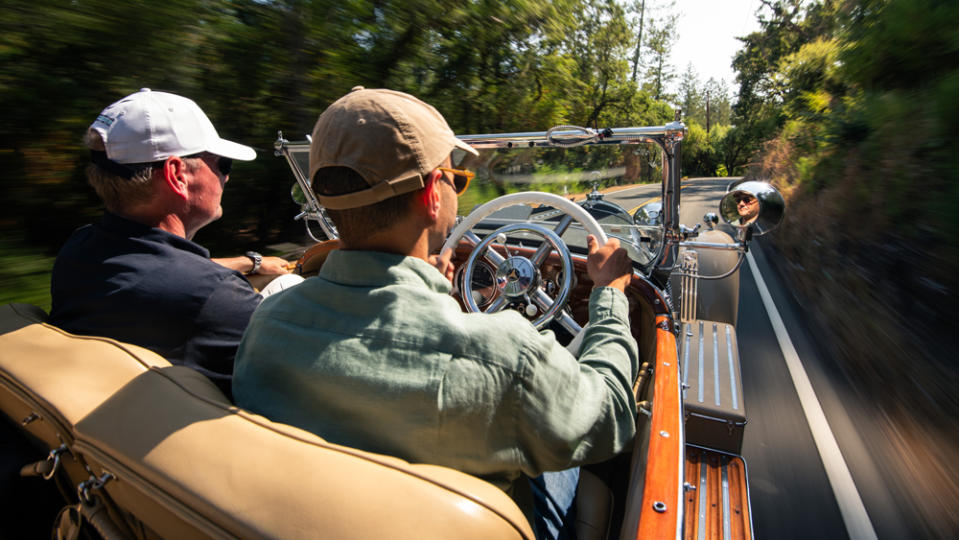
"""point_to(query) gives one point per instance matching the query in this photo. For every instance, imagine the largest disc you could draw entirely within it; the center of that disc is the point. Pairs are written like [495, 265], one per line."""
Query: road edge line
[853, 511]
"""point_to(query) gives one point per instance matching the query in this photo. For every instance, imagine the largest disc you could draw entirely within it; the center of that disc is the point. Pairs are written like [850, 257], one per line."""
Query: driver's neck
[398, 239]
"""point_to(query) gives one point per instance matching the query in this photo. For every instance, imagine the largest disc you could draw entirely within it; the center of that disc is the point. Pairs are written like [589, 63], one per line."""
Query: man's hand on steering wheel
[443, 263]
[608, 265]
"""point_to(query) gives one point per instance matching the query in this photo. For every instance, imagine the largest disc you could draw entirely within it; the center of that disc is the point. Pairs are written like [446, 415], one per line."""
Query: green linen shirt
[375, 354]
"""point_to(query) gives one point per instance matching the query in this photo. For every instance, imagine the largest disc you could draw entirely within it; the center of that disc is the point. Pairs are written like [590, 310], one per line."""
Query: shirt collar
[127, 227]
[377, 269]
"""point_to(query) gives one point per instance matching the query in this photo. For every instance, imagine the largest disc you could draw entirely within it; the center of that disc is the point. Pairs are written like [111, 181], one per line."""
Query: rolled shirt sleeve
[577, 411]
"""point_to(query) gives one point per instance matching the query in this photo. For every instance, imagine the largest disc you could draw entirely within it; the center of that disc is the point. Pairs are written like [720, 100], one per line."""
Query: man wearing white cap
[377, 355]
[160, 167]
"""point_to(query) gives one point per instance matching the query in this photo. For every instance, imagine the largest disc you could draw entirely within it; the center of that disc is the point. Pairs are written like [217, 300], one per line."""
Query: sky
[707, 36]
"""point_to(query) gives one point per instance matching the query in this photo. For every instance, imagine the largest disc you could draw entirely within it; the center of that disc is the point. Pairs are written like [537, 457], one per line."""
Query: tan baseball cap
[393, 140]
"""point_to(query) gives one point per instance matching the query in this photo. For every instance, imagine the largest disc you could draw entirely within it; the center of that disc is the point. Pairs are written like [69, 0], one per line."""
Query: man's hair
[358, 223]
[116, 192]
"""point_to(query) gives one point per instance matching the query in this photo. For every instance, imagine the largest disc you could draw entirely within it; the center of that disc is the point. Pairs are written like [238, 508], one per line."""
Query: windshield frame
[668, 138]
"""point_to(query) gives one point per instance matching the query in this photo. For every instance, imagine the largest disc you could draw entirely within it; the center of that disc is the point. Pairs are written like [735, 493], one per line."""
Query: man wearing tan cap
[160, 168]
[374, 353]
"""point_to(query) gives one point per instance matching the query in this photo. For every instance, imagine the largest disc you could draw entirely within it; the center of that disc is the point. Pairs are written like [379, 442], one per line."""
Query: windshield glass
[610, 181]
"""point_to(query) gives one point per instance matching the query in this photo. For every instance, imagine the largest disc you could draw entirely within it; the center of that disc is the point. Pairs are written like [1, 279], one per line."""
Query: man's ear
[431, 199]
[174, 176]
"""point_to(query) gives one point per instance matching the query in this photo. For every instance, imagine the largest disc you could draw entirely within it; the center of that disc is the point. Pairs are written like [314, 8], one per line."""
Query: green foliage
[853, 108]
[809, 79]
[900, 44]
[25, 276]
[256, 67]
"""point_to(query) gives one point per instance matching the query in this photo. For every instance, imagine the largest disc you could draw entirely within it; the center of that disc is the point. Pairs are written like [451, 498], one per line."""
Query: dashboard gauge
[483, 284]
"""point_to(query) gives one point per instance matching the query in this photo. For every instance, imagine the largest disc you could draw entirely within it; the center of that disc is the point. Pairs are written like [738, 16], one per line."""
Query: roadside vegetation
[852, 107]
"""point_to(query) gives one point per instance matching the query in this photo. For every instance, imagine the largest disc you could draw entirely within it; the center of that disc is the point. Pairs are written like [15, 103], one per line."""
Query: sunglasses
[223, 164]
[461, 178]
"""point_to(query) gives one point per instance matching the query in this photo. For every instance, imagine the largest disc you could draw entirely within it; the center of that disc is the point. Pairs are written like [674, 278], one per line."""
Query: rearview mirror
[753, 204]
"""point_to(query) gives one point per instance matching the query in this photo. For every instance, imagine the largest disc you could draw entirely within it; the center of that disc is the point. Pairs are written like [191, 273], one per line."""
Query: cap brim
[463, 146]
[232, 150]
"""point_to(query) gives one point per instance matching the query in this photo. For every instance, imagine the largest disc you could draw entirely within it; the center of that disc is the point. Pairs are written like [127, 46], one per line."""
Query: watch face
[256, 258]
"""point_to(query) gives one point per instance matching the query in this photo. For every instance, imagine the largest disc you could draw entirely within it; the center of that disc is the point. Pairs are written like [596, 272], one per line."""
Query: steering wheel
[518, 277]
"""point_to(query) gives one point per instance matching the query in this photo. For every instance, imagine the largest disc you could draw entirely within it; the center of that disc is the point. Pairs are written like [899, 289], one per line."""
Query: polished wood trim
[664, 460]
[723, 515]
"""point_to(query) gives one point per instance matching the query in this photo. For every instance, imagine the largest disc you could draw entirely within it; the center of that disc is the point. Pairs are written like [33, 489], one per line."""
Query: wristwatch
[257, 260]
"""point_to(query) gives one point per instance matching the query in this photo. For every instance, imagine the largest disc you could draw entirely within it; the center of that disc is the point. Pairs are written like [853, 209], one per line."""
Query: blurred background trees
[852, 107]
[851, 95]
[257, 67]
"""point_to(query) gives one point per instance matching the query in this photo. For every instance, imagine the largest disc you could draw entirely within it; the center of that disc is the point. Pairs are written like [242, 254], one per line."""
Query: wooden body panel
[661, 515]
[718, 509]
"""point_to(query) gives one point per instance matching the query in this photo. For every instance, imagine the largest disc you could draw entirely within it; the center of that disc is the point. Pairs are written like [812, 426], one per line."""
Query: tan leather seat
[186, 463]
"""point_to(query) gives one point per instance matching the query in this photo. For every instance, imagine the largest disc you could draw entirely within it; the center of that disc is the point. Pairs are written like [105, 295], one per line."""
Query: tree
[690, 95]
[659, 72]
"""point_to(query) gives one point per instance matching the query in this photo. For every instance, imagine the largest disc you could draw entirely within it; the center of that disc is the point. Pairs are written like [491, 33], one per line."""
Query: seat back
[180, 461]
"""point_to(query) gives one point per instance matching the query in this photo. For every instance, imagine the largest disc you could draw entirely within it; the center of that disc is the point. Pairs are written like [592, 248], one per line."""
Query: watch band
[257, 260]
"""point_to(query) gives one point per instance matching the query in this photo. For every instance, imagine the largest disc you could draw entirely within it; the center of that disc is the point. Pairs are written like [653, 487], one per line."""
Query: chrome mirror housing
[754, 204]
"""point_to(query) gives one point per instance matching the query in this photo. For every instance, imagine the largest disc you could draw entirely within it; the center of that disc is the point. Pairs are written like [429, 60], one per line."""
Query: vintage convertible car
[140, 448]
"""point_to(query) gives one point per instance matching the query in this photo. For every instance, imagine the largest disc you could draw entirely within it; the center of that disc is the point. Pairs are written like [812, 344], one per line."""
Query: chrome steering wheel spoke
[497, 304]
[539, 257]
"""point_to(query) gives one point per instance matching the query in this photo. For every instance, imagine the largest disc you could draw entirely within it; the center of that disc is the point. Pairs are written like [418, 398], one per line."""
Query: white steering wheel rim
[572, 209]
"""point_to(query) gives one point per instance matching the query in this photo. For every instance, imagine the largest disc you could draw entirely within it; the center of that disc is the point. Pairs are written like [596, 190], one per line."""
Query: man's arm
[582, 410]
[271, 266]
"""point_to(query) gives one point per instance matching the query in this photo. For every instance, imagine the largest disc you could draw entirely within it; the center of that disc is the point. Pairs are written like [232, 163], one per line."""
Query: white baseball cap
[148, 126]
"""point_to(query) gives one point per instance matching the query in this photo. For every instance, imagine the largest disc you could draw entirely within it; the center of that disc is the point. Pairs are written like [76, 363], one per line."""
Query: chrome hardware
[664, 433]
[659, 506]
[711, 220]
[55, 458]
[501, 239]
[645, 407]
[740, 247]
[310, 205]
[550, 287]
[689, 287]
[30, 419]
[686, 232]
[84, 489]
[688, 487]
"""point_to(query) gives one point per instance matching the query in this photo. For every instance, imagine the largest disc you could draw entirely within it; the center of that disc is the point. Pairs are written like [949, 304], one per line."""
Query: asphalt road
[792, 494]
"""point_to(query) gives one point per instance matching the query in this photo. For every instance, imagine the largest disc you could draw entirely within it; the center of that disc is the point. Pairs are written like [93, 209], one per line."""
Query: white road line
[850, 503]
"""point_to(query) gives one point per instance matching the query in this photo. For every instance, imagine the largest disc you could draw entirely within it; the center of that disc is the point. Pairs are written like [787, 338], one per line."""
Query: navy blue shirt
[142, 285]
